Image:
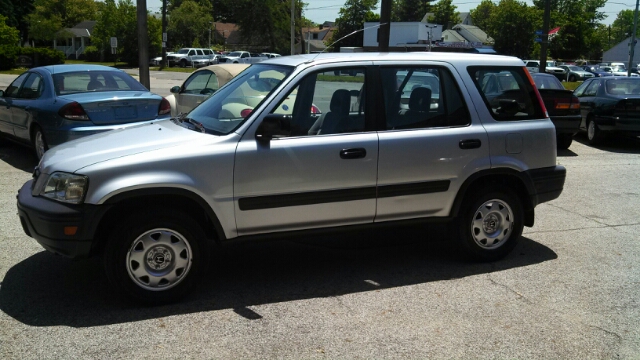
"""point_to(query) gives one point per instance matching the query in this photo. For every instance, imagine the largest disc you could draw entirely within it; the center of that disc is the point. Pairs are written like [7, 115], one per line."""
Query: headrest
[340, 101]
[420, 99]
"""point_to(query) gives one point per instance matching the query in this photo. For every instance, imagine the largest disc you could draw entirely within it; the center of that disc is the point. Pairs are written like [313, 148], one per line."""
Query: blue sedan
[49, 105]
[597, 71]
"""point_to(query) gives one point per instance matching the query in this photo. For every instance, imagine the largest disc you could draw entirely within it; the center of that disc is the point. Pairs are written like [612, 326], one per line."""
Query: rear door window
[507, 92]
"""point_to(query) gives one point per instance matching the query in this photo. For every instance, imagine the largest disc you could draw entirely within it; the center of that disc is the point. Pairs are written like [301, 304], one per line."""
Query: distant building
[315, 39]
[620, 52]
[75, 39]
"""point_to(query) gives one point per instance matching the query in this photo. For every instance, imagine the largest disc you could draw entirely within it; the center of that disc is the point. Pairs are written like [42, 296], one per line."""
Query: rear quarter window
[507, 92]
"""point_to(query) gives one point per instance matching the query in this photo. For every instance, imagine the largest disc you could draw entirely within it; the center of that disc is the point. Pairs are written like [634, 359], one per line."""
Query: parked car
[270, 55]
[194, 57]
[563, 108]
[575, 73]
[596, 70]
[534, 66]
[200, 85]
[152, 200]
[242, 57]
[609, 105]
[156, 61]
[617, 70]
[47, 106]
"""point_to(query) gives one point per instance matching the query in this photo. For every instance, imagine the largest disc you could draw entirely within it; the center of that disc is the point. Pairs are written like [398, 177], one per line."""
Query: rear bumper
[569, 124]
[547, 183]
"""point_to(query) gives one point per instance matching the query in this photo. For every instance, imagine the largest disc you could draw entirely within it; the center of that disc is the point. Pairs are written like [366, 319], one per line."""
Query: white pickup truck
[242, 57]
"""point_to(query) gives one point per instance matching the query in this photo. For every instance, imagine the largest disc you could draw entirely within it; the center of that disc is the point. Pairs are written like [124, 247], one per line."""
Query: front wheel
[183, 64]
[490, 224]
[155, 257]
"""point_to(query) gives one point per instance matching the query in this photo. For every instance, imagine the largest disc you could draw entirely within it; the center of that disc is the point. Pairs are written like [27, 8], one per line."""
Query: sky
[320, 11]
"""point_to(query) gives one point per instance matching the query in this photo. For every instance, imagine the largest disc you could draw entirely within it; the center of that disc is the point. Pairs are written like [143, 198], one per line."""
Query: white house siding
[402, 33]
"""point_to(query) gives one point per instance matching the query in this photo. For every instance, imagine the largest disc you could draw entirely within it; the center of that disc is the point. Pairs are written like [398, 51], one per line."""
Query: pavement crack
[519, 295]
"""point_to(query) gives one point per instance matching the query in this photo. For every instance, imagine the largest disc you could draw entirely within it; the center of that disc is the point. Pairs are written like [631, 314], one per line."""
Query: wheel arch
[518, 182]
[174, 198]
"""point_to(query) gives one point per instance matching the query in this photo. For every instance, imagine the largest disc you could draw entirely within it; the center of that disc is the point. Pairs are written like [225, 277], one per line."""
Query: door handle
[470, 144]
[356, 153]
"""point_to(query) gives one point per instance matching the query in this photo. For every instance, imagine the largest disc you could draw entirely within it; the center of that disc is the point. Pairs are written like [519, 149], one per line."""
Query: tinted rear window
[507, 92]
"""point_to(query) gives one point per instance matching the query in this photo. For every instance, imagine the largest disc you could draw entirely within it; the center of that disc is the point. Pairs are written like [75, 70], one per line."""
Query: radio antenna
[346, 36]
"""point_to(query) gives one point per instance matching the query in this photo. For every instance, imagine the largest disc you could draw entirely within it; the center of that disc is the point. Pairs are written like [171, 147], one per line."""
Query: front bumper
[45, 220]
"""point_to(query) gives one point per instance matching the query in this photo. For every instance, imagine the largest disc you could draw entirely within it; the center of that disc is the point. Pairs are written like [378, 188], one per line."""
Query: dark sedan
[563, 107]
[49, 105]
[597, 71]
[609, 105]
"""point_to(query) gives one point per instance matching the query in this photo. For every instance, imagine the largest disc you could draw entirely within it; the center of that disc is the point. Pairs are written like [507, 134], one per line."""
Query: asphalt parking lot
[570, 290]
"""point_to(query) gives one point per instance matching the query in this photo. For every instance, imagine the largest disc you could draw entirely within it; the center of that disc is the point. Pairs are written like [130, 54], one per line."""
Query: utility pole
[385, 26]
[430, 34]
[632, 43]
[293, 27]
[143, 43]
[210, 23]
[164, 34]
[545, 36]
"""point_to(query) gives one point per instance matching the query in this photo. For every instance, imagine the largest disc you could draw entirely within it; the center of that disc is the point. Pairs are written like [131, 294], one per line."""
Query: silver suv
[288, 146]
[194, 57]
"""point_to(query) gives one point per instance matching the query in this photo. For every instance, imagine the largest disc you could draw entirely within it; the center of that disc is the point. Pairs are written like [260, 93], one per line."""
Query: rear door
[26, 104]
[586, 93]
[429, 142]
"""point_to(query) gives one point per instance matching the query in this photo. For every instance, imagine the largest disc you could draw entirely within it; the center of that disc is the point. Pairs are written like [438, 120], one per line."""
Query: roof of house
[82, 29]
[473, 33]
[452, 36]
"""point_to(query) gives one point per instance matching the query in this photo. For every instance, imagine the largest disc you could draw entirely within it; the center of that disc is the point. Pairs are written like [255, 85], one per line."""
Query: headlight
[65, 187]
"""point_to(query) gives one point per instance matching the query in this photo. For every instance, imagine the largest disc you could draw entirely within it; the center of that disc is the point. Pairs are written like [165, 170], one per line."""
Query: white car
[618, 69]
[156, 61]
[534, 66]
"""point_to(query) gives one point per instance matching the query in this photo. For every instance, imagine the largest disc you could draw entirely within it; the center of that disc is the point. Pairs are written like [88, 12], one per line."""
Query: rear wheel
[563, 141]
[156, 257]
[594, 134]
[39, 142]
[490, 224]
[572, 78]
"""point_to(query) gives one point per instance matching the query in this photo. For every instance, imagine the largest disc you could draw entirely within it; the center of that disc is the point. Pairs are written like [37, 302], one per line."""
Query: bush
[43, 56]
[91, 53]
[8, 56]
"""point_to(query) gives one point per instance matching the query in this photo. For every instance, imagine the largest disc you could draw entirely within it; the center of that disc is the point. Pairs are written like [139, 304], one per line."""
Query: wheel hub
[491, 223]
[159, 258]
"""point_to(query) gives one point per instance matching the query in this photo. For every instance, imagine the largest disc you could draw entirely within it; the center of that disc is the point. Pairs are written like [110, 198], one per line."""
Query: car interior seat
[419, 107]
[334, 120]
[94, 84]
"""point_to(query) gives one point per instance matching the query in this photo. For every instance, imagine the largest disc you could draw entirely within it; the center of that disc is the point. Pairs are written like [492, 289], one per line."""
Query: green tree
[352, 18]
[622, 26]
[51, 16]
[481, 15]
[410, 10]
[16, 13]
[512, 26]
[445, 14]
[8, 34]
[189, 23]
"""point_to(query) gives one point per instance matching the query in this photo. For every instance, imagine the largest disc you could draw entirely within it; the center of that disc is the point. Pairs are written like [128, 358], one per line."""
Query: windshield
[574, 68]
[551, 63]
[228, 107]
[183, 51]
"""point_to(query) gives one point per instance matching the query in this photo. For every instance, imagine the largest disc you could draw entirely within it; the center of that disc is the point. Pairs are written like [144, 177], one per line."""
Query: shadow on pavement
[45, 290]
[18, 156]
[613, 143]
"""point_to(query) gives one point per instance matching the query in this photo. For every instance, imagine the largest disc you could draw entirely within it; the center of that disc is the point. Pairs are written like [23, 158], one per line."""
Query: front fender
[172, 101]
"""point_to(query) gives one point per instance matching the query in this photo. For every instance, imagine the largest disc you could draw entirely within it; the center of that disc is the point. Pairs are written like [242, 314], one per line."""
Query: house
[315, 38]
[75, 39]
[227, 34]
[620, 52]
[403, 36]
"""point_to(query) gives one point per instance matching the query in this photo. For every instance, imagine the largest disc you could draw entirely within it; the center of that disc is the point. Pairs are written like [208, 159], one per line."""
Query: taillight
[315, 110]
[165, 107]
[562, 104]
[575, 103]
[246, 112]
[73, 111]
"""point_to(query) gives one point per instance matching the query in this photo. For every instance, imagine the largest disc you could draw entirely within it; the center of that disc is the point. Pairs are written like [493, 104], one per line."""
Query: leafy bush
[91, 53]
[8, 56]
[42, 56]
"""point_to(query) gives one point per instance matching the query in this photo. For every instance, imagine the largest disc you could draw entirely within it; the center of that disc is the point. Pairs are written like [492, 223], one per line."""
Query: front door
[197, 88]
[7, 102]
[310, 178]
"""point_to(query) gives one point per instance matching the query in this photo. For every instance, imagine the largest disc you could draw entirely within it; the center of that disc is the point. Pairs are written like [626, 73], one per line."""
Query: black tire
[183, 63]
[563, 141]
[156, 257]
[39, 142]
[594, 134]
[572, 78]
[490, 224]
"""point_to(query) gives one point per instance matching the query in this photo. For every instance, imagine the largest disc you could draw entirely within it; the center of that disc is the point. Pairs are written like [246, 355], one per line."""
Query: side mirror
[175, 89]
[273, 126]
